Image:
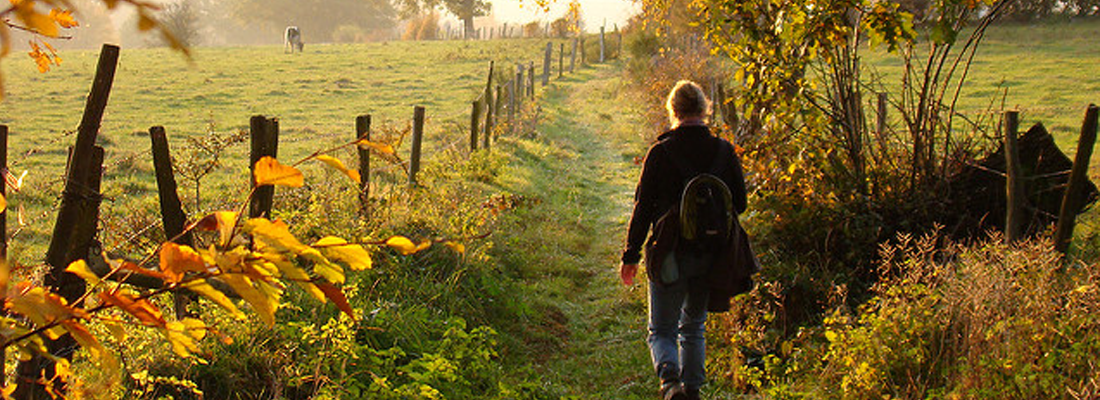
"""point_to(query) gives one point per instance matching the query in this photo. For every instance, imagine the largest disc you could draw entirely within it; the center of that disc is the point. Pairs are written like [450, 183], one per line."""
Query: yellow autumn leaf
[402, 244]
[80, 268]
[293, 273]
[176, 260]
[221, 221]
[3, 203]
[63, 18]
[355, 256]
[457, 247]
[183, 334]
[263, 301]
[117, 329]
[204, 289]
[268, 171]
[381, 148]
[276, 235]
[335, 163]
[39, 305]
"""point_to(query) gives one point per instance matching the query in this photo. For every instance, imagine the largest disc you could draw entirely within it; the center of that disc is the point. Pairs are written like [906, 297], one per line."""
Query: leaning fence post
[77, 201]
[362, 132]
[417, 139]
[172, 216]
[1074, 197]
[512, 103]
[1014, 211]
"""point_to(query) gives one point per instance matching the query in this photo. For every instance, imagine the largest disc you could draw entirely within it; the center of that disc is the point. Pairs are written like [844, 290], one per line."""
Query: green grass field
[316, 95]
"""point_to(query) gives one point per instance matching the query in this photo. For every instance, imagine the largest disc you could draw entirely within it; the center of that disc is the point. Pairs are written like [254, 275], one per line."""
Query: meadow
[316, 95]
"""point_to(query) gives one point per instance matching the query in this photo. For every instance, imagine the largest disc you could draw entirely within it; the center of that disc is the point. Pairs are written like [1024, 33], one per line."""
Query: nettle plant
[257, 259]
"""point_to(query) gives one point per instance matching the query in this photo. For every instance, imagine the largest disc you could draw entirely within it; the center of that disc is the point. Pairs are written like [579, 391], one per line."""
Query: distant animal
[292, 39]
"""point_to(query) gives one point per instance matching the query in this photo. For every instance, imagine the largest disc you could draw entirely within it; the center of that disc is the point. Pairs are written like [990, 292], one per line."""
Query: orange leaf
[80, 268]
[221, 221]
[141, 309]
[177, 260]
[337, 296]
[124, 267]
[457, 247]
[268, 171]
[381, 148]
[64, 18]
[335, 163]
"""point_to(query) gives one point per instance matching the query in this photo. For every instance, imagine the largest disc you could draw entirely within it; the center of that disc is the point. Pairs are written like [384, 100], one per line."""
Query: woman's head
[687, 101]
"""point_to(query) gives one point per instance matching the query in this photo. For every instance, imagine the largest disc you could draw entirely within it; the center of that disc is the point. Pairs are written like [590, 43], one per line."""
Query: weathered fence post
[417, 139]
[362, 132]
[573, 56]
[561, 59]
[264, 134]
[1014, 210]
[1074, 197]
[880, 124]
[531, 79]
[475, 123]
[546, 63]
[520, 91]
[489, 111]
[582, 53]
[512, 103]
[79, 199]
[172, 216]
[496, 112]
[602, 46]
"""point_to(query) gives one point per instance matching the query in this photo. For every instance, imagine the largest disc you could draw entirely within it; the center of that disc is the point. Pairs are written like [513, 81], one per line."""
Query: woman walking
[679, 289]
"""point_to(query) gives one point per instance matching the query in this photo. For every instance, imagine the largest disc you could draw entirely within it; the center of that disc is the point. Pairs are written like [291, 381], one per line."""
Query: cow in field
[292, 40]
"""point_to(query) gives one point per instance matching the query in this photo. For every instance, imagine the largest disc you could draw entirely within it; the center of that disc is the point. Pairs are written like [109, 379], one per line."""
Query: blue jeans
[677, 322]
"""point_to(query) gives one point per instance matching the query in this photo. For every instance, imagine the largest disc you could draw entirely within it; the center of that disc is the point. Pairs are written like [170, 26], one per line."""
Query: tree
[182, 20]
[465, 10]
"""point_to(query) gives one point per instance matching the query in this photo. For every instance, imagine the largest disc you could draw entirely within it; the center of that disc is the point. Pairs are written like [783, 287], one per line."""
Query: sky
[596, 12]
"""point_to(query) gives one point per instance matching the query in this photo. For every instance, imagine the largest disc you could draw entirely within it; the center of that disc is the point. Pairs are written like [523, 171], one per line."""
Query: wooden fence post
[172, 217]
[602, 46]
[78, 200]
[489, 111]
[513, 102]
[265, 142]
[519, 89]
[475, 123]
[496, 112]
[546, 63]
[417, 139]
[573, 56]
[582, 52]
[1074, 197]
[561, 59]
[531, 79]
[1014, 211]
[362, 132]
[880, 125]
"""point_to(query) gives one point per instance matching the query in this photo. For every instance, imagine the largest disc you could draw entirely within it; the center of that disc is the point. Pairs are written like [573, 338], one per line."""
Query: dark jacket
[661, 183]
[660, 188]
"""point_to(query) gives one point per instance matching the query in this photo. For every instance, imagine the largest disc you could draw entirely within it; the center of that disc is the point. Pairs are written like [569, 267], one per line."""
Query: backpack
[690, 236]
[705, 208]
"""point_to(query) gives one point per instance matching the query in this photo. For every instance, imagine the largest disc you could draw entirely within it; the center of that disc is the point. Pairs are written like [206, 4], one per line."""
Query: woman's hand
[627, 272]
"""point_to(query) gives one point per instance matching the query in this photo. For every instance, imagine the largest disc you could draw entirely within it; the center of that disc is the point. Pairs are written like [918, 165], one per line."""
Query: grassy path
[579, 164]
